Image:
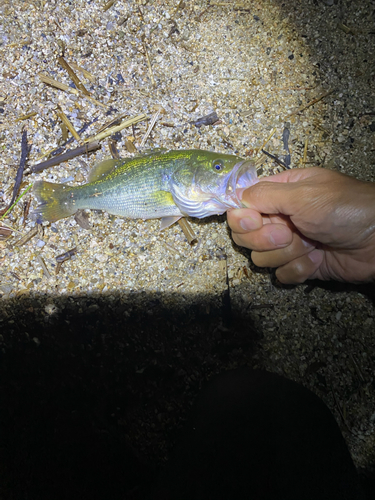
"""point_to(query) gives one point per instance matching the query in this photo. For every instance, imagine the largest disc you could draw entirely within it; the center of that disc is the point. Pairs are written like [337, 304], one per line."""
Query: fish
[165, 184]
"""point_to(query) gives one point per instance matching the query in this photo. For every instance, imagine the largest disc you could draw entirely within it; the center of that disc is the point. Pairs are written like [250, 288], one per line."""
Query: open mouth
[243, 175]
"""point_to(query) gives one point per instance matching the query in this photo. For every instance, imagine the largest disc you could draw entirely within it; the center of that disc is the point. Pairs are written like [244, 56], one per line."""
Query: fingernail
[248, 224]
[278, 237]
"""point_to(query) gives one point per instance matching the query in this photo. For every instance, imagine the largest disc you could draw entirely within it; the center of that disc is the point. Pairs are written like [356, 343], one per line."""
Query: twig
[130, 146]
[43, 266]
[173, 249]
[176, 9]
[72, 153]
[311, 103]
[33, 232]
[60, 149]
[69, 125]
[112, 123]
[17, 200]
[113, 130]
[108, 5]
[77, 82]
[275, 158]
[152, 123]
[114, 152]
[19, 175]
[25, 117]
[26, 209]
[64, 131]
[85, 73]
[265, 142]
[149, 66]
[59, 85]
[187, 230]
[66, 255]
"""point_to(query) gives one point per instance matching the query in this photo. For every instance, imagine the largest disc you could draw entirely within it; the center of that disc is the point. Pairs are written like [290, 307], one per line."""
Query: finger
[280, 193]
[301, 269]
[293, 175]
[272, 197]
[268, 237]
[242, 220]
[281, 256]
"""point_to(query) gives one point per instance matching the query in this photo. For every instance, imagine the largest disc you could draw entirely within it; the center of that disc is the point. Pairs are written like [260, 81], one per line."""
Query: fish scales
[163, 184]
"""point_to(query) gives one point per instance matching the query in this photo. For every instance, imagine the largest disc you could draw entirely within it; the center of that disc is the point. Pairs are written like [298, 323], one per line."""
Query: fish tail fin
[56, 201]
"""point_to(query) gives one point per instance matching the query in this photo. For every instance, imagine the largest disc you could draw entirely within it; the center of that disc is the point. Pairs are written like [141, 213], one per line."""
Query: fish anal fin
[168, 221]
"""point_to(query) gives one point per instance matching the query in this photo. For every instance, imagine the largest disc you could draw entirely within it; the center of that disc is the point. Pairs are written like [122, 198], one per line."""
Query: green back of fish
[133, 188]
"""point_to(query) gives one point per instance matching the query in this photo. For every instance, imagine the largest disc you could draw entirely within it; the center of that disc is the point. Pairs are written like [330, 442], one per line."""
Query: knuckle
[299, 270]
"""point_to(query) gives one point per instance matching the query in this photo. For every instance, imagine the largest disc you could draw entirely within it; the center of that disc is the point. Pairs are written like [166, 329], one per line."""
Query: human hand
[311, 224]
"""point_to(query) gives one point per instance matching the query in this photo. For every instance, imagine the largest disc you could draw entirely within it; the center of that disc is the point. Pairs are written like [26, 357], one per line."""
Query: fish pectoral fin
[105, 167]
[168, 221]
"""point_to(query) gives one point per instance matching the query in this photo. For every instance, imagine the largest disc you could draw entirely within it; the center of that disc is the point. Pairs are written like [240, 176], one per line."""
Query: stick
[19, 175]
[311, 103]
[60, 149]
[85, 73]
[114, 152]
[43, 266]
[69, 125]
[187, 230]
[152, 123]
[265, 142]
[73, 76]
[33, 232]
[25, 117]
[149, 66]
[54, 83]
[72, 153]
[113, 130]
[275, 158]
[21, 168]
[108, 5]
[15, 203]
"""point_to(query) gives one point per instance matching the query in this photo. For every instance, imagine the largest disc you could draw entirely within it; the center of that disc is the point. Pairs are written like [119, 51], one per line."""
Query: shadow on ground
[94, 389]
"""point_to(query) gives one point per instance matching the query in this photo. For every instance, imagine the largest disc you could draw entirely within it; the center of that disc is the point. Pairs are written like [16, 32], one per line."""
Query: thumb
[273, 197]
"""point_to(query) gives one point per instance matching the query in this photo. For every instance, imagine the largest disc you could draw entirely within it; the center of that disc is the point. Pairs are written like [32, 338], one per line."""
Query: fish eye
[218, 165]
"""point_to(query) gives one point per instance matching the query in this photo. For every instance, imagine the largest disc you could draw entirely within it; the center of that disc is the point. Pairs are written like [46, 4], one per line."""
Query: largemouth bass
[162, 184]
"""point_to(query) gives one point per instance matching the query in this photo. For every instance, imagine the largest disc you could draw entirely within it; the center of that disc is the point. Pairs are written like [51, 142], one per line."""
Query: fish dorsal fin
[151, 152]
[105, 167]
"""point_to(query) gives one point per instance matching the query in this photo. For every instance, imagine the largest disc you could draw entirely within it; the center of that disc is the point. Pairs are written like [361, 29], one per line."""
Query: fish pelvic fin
[168, 221]
[56, 201]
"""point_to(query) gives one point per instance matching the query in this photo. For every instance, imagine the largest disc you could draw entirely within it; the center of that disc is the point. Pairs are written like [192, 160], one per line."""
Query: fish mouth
[243, 176]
